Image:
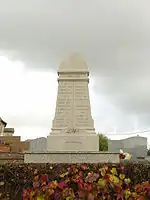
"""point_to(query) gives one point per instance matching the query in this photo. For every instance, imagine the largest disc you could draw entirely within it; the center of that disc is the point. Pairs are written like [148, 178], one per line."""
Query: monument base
[75, 143]
[71, 157]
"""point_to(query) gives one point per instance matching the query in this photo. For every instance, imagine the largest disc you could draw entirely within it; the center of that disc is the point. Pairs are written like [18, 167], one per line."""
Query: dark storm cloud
[113, 36]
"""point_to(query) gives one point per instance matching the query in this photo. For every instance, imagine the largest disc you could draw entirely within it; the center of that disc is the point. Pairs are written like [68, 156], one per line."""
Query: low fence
[9, 157]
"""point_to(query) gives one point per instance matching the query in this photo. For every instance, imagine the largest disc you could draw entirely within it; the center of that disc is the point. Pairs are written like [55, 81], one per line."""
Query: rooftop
[3, 122]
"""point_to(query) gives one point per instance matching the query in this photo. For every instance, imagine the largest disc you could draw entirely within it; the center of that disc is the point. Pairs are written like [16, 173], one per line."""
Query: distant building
[5, 131]
[136, 146]
[38, 145]
[9, 142]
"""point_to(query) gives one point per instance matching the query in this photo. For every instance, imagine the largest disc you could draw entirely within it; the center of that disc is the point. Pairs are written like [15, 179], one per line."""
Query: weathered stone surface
[70, 157]
[75, 142]
[73, 104]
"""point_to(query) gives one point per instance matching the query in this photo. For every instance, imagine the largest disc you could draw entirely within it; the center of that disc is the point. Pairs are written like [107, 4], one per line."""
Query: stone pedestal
[73, 143]
[73, 140]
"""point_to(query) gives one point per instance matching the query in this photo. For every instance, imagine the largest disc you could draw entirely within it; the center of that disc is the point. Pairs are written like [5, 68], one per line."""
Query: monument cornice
[73, 71]
[73, 79]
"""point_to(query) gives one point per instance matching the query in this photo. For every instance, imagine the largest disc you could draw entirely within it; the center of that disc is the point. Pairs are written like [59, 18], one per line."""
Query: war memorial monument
[72, 138]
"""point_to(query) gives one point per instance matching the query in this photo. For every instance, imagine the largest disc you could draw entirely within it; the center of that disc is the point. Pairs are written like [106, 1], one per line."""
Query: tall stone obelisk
[73, 126]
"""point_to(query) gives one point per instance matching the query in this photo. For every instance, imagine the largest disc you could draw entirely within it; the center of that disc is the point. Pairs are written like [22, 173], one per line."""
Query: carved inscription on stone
[72, 130]
[64, 104]
[82, 105]
[73, 104]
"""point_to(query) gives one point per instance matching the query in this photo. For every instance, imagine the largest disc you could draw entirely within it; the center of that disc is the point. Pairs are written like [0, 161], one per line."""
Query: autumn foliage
[75, 182]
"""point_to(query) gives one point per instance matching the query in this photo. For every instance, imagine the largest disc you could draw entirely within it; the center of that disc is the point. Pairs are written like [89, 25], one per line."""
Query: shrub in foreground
[75, 182]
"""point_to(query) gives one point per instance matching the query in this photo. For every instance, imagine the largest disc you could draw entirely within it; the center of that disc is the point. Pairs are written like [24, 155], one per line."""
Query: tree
[103, 143]
[148, 152]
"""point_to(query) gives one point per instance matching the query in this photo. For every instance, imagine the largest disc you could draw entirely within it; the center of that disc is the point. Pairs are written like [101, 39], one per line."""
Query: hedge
[74, 181]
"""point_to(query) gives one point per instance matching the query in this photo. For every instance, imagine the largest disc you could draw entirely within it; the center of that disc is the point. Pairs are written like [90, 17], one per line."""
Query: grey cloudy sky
[112, 36]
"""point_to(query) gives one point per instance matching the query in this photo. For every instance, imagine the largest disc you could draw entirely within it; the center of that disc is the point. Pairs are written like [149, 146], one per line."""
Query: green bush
[148, 152]
[72, 181]
[103, 143]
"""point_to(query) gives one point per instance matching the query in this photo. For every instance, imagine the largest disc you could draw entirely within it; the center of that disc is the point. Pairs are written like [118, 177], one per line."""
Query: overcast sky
[114, 39]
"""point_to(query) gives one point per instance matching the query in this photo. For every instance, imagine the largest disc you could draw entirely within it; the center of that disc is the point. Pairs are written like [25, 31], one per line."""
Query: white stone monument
[72, 138]
[73, 126]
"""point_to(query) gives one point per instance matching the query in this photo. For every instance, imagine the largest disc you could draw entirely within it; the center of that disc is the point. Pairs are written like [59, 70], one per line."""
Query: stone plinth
[72, 157]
